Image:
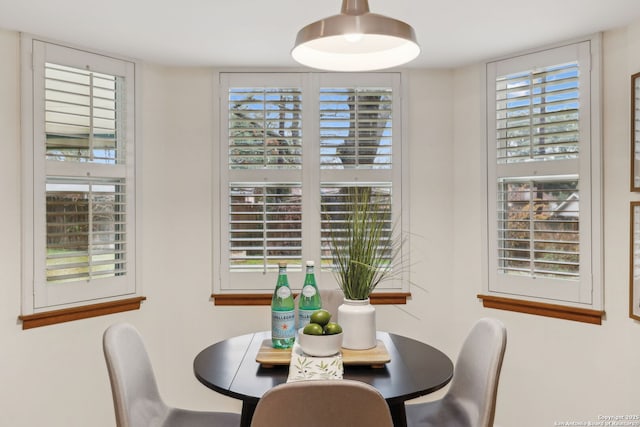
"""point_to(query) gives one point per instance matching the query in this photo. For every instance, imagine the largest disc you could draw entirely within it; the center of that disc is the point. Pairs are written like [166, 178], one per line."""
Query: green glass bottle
[283, 318]
[310, 299]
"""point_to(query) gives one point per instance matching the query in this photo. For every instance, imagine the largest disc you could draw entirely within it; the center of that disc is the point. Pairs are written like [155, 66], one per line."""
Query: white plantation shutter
[356, 127]
[537, 114]
[540, 173]
[262, 158]
[336, 199]
[539, 228]
[86, 229]
[359, 146]
[83, 177]
[80, 118]
[292, 145]
[265, 128]
[265, 225]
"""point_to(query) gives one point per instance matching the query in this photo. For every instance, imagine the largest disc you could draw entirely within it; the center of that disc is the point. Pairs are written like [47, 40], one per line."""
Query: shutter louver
[355, 128]
[81, 115]
[265, 225]
[265, 128]
[86, 229]
[537, 115]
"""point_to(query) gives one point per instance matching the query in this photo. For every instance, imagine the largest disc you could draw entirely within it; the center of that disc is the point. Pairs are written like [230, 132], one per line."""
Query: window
[79, 171]
[293, 146]
[543, 155]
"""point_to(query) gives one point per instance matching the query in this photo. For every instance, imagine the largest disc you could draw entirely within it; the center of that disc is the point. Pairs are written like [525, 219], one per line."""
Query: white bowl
[320, 345]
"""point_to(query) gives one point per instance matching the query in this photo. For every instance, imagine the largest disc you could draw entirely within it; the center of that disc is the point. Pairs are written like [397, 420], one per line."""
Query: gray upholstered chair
[322, 403]
[135, 393]
[471, 399]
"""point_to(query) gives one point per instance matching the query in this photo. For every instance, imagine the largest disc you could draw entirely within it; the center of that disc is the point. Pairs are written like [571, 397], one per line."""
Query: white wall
[56, 375]
[430, 185]
[554, 370]
[557, 370]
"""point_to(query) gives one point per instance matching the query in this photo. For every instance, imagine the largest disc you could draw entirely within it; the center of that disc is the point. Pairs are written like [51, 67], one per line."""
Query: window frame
[311, 178]
[43, 304]
[518, 294]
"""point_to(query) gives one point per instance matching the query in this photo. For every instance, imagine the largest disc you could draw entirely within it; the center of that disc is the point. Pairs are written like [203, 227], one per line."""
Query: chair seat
[441, 413]
[186, 418]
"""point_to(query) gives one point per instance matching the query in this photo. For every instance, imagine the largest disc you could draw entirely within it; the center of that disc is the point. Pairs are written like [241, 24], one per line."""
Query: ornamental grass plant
[364, 245]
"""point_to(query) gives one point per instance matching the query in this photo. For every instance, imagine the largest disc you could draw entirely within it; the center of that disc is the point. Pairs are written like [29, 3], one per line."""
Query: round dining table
[414, 369]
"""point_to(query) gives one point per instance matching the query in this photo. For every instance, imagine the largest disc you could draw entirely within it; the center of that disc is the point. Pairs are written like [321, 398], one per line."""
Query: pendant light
[355, 40]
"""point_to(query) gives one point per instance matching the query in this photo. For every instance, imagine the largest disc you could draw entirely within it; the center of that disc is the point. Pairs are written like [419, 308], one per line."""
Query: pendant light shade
[355, 40]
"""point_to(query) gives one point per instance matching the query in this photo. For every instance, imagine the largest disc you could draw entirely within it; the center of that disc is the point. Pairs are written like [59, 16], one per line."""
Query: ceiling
[260, 33]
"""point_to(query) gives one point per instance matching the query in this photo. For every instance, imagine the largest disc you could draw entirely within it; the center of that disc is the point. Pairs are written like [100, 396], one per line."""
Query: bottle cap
[310, 263]
[282, 264]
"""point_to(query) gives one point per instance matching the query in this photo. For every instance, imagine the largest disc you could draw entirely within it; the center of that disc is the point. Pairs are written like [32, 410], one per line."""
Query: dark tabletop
[415, 369]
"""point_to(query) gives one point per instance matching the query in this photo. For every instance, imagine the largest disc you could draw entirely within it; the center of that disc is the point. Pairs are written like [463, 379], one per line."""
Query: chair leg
[248, 408]
[398, 414]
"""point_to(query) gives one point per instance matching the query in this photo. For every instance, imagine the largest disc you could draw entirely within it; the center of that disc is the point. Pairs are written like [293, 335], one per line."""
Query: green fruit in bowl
[332, 328]
[321, 317]
[313, 329]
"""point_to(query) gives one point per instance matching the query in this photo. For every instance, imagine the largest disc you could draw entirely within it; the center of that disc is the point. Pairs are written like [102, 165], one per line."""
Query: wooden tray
[375, 357]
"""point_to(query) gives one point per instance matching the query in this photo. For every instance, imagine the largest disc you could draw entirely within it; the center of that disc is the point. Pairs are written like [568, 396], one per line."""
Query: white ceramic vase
[358, 321]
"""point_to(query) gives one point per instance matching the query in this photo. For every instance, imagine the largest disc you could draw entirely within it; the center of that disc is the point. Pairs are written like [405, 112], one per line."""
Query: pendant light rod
[355, 7]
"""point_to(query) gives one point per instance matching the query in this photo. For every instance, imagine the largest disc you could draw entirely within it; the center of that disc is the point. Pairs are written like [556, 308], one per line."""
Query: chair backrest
[474, 386]
[322, 403]
[331, 300]
[135, 393]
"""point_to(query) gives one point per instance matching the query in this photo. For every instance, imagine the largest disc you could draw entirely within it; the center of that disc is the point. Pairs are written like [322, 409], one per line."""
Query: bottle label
[308, 291]
[283, 324]
[283, 292]
[304, 317]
